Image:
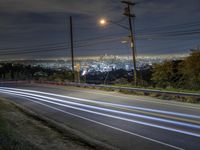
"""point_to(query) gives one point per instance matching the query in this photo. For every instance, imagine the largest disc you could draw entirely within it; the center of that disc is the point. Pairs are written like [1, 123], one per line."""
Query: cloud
[168, 7]
[87, 7]
[28, 22]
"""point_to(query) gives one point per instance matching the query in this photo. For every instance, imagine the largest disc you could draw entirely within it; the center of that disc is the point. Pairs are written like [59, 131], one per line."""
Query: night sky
[34, 29]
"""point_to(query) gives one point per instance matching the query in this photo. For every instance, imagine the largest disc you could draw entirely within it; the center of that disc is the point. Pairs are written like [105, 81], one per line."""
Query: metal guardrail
[15, 82]
[129, 89]
[147, 91]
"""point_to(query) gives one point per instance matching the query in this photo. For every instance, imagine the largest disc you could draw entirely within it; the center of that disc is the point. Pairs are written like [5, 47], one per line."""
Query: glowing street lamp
[103, 22]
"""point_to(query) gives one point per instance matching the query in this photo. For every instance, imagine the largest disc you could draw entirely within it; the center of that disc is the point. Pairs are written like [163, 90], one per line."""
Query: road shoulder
[25, 130]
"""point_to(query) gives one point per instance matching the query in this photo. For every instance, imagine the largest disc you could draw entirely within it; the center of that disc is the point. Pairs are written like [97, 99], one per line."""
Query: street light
[103, 22]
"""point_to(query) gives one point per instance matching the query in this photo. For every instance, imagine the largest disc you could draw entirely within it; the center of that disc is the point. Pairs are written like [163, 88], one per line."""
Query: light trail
[108, 110]
[109, 104]
[109, 126]
[106, 115]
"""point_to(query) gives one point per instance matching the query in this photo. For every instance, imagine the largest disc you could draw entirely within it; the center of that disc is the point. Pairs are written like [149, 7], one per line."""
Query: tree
[162, 74]
[167, 74]
[191, 70]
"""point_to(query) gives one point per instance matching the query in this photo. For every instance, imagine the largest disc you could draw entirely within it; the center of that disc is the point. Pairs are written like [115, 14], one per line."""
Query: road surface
[122, 121]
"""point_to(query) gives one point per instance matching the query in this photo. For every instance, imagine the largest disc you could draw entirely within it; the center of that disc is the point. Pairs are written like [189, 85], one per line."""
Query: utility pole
[72, 48]
[133, 47]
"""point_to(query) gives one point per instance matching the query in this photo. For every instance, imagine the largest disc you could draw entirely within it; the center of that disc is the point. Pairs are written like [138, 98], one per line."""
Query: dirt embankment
[19, 131]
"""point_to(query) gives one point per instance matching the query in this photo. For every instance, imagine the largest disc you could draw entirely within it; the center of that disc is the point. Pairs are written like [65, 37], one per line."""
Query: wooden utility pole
[133, 47]
[72, 47]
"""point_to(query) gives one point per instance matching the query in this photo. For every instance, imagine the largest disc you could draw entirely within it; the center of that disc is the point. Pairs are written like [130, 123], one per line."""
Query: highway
[125, 122]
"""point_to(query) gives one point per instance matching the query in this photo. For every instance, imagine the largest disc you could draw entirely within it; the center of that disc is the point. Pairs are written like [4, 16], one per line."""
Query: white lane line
[111, 116]
[106, 125]
[110, 104]
[110, 110]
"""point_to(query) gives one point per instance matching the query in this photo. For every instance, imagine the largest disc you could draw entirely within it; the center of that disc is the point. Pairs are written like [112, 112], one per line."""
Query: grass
[21, 131]
[9, 138]
[162, 96]
[187, 99]
[161, 89]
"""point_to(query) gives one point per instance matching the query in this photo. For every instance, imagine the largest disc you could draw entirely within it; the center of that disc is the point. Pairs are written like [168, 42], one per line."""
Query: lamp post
[104, 22]
[72, 47]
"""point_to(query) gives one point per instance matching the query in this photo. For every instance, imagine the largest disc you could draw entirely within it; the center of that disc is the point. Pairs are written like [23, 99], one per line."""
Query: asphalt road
[122, 121]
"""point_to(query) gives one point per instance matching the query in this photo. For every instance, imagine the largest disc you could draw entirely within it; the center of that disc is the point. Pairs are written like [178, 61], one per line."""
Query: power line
[92, 41]
[61, 43]
[156, 34]
[62, 46]
[55, 48]
[172, 26]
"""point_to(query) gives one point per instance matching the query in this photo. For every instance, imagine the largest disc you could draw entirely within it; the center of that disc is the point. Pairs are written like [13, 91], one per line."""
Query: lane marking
[132, 110]
[159, 115]
[111, 116]
[110, 104]
[106, 125]
[109, 110]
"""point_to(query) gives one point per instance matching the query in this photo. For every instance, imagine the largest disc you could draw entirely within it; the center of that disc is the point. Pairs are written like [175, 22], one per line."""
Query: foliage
[11, 71]
[191, 71]
[183, 74]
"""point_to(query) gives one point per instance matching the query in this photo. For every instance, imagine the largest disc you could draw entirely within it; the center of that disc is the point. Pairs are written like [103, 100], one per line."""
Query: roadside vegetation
[173, 76]
[182, 74]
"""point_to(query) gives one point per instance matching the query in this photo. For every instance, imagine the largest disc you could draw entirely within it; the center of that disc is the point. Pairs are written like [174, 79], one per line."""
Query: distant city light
[84, 72]
[123, 42]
